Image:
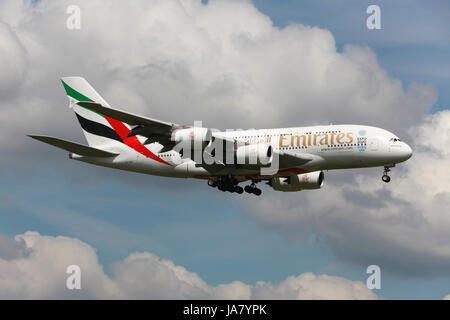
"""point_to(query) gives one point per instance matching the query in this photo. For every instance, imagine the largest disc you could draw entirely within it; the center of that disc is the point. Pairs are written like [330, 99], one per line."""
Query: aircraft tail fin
[73, 147]
[96, 127]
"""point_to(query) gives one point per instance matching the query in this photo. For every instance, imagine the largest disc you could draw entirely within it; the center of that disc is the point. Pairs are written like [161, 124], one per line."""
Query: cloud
[401, 226]
[311, 286]
[226, 64]
[189, 61]
[12, 61]
[11, 249]
[41, 274]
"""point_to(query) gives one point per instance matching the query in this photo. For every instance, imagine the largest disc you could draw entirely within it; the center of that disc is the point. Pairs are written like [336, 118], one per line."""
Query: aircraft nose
[401, 152]
[408, 151]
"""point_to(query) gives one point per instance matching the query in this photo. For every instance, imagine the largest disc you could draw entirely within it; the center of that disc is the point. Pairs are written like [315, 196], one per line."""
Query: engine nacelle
[196, 137]
[310, 180]
[254, 154]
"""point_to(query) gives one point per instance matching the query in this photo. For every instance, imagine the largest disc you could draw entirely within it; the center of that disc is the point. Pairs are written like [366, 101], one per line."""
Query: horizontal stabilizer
[73, 147]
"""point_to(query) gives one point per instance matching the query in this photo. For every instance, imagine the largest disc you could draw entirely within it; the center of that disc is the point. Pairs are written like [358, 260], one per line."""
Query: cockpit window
[395, 139]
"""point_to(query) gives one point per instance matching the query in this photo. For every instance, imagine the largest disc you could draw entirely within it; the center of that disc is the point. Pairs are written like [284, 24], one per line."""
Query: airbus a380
[288, 159]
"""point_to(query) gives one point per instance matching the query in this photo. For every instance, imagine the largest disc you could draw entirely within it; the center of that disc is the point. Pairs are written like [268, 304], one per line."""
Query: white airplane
[289, 159]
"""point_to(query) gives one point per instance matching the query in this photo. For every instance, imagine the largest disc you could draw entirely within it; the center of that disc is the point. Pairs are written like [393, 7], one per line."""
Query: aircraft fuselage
[332, 147]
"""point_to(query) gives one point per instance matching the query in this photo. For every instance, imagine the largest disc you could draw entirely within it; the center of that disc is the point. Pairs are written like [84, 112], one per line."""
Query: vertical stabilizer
[96, 128]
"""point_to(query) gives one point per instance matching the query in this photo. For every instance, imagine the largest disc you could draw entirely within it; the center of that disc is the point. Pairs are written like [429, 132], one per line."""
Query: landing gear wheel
[248, 189]
[386, 171]
[238, 190]
[257, 192]
[230, 188]
[251, 188]
[212, 183]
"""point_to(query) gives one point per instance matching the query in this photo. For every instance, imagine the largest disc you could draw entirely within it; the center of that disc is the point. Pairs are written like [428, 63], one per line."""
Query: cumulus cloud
[12, 61]
[311, 286]
[225, 63]
[10, 248]
[41, 274]
[222, 62]
[401, 226]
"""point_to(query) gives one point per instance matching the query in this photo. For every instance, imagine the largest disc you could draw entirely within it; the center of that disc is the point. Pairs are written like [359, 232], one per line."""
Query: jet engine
[310, 180]
[254, 154]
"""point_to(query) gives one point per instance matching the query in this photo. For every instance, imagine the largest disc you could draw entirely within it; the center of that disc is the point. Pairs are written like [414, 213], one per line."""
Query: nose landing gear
[385, 176]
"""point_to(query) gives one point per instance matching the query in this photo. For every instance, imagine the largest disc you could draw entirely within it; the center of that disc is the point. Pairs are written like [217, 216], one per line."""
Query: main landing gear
[385, 176]
[253, 189]
[230, 184]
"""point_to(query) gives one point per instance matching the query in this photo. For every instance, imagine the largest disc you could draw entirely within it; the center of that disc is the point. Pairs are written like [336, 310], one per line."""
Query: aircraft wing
[287, 159]
[156, 126]
[73, 147]
[290, 159]
[155, 130]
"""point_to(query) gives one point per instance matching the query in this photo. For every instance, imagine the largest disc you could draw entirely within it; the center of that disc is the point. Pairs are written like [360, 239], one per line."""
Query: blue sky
[413, 43]
[211, 236]
[208, 232]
